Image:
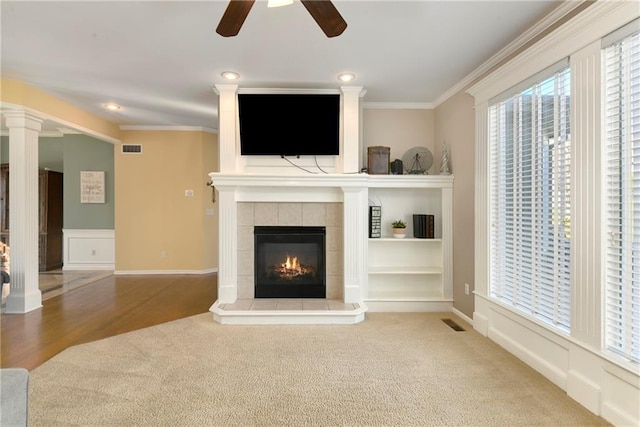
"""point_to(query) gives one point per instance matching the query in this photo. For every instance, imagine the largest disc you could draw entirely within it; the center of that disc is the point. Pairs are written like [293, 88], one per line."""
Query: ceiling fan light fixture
[112, 106]
[346, 77]
[278, 3]
[323, 12]
[230, 75]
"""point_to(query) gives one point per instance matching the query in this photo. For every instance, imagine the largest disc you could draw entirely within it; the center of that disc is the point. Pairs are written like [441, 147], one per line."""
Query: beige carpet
[393, 370]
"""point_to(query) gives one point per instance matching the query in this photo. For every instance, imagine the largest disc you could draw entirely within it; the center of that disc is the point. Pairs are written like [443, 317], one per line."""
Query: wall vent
[131, 149]
[453, 325]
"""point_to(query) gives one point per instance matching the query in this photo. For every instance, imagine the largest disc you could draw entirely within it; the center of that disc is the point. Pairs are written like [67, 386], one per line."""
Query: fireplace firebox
[290, 262]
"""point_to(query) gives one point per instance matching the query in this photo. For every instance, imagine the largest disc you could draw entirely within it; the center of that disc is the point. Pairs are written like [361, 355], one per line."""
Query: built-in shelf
[411, 274]
[435, 298]
[405, 270]
[406, 239]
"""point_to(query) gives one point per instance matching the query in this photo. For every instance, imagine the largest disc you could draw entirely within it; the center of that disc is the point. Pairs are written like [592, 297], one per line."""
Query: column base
[18, 304]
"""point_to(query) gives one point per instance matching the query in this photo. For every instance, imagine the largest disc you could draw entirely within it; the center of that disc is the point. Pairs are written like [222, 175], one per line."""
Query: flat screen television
[289, 124]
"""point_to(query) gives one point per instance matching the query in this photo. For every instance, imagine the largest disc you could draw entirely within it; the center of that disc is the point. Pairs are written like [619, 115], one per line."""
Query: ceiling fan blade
[327, 16]
[234, 17]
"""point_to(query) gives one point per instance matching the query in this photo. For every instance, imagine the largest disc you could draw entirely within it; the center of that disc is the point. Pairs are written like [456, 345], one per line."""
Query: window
[530, 155]
[622, 192]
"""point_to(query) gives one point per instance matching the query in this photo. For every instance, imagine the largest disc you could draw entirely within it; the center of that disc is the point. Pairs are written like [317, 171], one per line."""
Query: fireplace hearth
[290, 262]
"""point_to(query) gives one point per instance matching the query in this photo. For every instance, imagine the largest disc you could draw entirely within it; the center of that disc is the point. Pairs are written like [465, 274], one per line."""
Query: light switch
[188, 193]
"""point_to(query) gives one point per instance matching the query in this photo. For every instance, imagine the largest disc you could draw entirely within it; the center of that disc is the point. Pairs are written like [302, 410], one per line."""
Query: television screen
[289, 124]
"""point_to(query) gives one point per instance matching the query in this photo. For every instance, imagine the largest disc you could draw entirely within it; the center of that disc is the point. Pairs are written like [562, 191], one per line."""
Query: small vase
[399, 233]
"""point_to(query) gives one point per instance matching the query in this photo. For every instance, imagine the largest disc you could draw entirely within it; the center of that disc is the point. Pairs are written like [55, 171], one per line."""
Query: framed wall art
[92, 187]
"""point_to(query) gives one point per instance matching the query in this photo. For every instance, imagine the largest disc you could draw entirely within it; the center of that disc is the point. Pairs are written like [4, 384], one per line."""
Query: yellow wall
[18, 93]
[153, 214]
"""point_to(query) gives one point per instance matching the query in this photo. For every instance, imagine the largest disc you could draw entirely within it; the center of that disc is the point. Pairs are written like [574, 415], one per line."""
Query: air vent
[453, 325]
[131, 148]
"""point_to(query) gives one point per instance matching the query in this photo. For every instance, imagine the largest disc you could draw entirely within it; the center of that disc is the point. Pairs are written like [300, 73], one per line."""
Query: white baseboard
[462, 316]
[91, 267]
[408, 306]
[583, 390]
[168, 272]
[88, 249]
[539, 359]
[589, 376]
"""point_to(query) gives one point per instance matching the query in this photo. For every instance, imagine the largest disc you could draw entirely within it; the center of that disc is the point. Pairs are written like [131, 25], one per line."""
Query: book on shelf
[431, 227]
[424, 226]
[375, 221]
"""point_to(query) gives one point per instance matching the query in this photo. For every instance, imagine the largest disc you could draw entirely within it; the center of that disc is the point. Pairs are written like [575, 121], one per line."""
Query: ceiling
[160, 60]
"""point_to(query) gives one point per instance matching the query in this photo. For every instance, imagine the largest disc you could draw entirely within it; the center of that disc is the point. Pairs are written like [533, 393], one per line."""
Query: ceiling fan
[323, 11]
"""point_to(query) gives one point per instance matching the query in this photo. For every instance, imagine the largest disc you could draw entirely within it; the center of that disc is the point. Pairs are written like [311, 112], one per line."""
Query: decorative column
[447, 241]
[227, 111]
[482, 231]
[587, 207]
[227, 245]
[350, 129]
[588, 222]
[355, 243]
[25, 294]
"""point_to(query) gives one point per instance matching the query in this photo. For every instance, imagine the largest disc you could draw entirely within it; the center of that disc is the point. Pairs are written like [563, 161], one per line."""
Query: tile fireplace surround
[337, 201]
[328, 215]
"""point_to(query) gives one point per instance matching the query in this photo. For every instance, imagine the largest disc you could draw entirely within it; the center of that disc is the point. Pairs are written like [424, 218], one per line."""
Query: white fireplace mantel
[352, 190]
[246, 183]
[348, 189]
[288, 188]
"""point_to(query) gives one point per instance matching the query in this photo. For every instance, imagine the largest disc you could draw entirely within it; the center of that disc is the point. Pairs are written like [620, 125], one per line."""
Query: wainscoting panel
[551, 355]
[593, 378]
[88, 249]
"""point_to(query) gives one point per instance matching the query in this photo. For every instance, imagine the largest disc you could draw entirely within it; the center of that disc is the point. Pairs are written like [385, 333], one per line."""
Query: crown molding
[68, 131]
[537, 29]
[361, 91]
[50, 134]
[170, 128]
[590, 25]
[287, 91]
[218, 89]
[398, 105]
[41, 134]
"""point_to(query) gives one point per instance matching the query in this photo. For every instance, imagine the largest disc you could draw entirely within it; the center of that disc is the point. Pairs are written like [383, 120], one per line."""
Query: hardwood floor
[108, 307]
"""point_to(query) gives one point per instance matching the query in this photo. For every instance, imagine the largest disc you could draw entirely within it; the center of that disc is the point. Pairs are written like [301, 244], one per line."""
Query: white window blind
[622, 209]
[529, 135]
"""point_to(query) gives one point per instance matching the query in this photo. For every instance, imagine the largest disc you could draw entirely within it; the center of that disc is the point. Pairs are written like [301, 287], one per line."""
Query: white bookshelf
[411, 274]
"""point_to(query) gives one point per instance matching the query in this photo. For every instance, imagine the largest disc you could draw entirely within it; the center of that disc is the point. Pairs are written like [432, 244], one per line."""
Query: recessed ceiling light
[346, 77]
[230, 75]
[278, 3]
[112, 106]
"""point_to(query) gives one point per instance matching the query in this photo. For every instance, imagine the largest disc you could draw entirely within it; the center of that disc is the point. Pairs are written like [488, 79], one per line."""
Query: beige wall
[455, 125]
[153, 214]
[398, 129]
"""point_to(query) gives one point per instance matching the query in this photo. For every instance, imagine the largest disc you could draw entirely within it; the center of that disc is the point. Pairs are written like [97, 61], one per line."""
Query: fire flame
[292, 264]
[290, 269]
